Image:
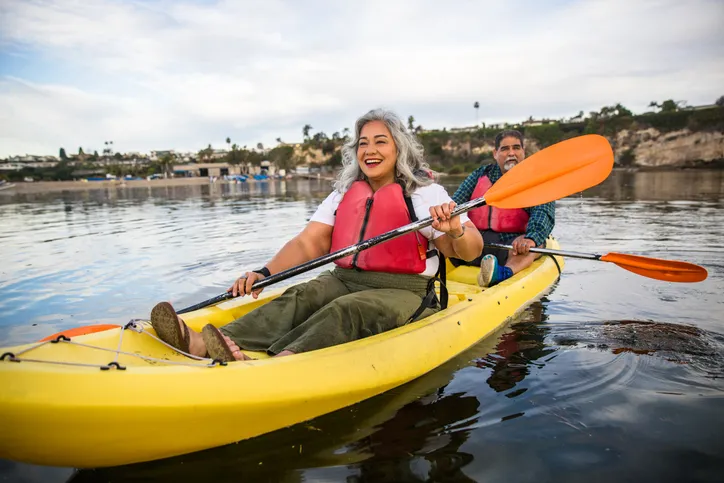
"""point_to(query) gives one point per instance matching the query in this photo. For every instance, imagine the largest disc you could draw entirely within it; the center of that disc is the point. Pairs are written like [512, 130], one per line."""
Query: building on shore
[205, 170]
[223, 169]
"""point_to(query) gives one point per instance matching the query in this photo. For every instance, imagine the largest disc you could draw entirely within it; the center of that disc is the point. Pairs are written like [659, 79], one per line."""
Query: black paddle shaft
[345, 252]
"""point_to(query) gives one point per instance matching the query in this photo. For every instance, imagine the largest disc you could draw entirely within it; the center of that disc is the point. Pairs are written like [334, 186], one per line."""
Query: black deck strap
[410, 206]
[11, 356]
[219, 362]
[59, 338]
[553, 257]
[429, 300]
[556, 262]
[413, 218]
[113, 364]
[442, 275]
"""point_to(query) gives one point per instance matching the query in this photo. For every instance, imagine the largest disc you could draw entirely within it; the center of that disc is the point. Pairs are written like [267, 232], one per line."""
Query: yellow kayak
[121, 396]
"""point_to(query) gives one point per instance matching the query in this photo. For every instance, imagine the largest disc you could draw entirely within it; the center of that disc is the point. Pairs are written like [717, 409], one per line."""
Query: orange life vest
[363, 214]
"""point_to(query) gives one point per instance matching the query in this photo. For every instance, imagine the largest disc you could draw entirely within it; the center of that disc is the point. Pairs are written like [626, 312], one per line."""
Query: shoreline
[35, 187]
[55, 186]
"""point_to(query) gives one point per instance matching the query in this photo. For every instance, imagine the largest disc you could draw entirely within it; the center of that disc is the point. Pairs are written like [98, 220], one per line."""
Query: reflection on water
[611, 376]
[690, 185]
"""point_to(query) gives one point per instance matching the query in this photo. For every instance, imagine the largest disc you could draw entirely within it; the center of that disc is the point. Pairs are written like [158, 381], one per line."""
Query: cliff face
[639, 148]
[650, 148]
[681, 139]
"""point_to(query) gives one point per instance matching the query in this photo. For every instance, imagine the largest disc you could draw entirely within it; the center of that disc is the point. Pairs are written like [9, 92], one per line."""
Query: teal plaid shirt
[542, 217]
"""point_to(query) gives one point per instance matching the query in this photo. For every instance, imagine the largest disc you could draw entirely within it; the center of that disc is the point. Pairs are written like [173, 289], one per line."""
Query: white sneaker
[488, 270]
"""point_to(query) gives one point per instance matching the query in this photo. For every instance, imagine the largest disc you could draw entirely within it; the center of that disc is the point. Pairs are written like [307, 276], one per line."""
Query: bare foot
[238, 355]
[171, 329]
[197, 346]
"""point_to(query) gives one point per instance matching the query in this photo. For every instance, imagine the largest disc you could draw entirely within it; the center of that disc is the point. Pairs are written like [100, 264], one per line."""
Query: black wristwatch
[263, 271]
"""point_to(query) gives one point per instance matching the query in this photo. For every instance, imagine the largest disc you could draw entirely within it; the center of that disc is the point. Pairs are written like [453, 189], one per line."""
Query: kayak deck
[166, 404]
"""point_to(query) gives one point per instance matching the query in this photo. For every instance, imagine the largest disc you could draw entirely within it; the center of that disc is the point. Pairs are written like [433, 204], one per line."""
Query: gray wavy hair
[411, 169]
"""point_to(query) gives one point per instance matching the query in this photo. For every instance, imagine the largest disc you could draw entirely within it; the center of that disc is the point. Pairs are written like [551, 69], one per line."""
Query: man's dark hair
[508, 134]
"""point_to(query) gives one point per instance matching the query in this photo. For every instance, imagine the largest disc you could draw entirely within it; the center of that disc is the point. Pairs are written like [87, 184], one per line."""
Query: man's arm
[466, 188]
[541, 222]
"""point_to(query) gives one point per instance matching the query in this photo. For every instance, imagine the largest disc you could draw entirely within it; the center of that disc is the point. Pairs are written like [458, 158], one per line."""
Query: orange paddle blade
[667, 270]
[553, 173]
[76, 331]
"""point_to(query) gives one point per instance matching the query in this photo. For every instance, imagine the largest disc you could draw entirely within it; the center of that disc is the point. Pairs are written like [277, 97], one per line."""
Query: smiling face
[377, 154]
[510, 153]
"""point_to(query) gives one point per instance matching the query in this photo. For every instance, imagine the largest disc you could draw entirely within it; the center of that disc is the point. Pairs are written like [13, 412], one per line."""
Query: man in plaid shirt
[538, 221]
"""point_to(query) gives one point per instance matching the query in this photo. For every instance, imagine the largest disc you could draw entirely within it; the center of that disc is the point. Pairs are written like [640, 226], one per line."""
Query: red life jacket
[496, 219]
[363, 214]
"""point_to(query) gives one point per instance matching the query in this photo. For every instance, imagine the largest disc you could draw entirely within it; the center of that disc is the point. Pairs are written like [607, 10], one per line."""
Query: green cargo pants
[336, 307]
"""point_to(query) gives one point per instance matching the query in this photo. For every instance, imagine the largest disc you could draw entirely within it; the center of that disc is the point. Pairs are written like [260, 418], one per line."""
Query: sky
[181, 74]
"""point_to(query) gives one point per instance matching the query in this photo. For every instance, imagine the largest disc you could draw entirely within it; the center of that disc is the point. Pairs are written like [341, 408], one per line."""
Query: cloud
[155, 75]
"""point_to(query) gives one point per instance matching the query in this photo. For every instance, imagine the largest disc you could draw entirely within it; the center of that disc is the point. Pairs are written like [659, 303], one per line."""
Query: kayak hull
[85, 417]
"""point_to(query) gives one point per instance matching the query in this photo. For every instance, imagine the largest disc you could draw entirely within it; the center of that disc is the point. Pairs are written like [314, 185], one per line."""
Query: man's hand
[522, 245]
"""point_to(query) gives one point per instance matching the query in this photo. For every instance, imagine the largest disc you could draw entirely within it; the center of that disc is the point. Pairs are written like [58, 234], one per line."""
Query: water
[612, 376]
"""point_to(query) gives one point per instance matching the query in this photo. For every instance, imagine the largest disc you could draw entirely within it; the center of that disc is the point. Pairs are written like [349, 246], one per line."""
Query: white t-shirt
[422, 199]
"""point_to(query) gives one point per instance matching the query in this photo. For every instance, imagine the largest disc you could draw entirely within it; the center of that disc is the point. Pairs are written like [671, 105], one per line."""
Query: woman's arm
[458, 242]
[313, 242]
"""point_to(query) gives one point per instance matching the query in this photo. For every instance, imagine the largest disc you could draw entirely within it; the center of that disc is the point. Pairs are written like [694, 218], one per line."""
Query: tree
[166, 163]
[669, 106]
[282, 157]
[235, 155]
[622, 111]
[305, 130]
[63, 156]
[228, 142]
[206, 154]
[108, 150]
[279, 140]
[329, 147]
[335, 160]
[477, 109]
[654, 105]
[720, 101]
[260, 146]
[411, 123]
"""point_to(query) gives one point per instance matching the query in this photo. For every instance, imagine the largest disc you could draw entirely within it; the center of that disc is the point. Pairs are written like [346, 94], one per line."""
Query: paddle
[552, 173]
[656, 268]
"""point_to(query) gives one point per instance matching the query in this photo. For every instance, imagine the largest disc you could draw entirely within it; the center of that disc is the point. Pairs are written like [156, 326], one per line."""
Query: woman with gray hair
[384, 183]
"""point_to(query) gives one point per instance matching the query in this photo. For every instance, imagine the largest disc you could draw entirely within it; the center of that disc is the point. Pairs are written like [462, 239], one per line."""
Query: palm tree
[166, 162]
[477, 107]
[305, 130]
[279, 140]
[411, 123]
[260, 147]
[228, 142]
